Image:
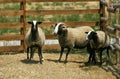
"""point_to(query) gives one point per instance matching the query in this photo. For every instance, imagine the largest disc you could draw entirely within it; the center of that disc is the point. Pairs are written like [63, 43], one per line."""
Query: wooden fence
[112, 29]
[23, 12]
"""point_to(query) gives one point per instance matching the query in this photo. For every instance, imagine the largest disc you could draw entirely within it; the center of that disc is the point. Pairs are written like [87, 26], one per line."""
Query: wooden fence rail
[23, 12]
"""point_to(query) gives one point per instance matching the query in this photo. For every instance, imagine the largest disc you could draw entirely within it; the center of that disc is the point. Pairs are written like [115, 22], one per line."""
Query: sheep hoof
[108, 62]
[87, 63]
[65, 61]
[27, 57]
[100, 64]
[41, 60]
[94, 63]
[59, 60]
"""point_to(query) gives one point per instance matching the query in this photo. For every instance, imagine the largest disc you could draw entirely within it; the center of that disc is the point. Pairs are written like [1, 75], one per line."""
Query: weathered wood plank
[60, 0]
[11, 48]
[51, 36]
[103, 19]
[11, 13]
[70, 24]
[53, 12]
[23, 20]
[110, 29]
[117, 46]
[47, 0]
[111, 9]
[116, 5]
[117, 26]
[12, 37]
[102, 2]
[13, 25]
[11, 0]
[51, 47]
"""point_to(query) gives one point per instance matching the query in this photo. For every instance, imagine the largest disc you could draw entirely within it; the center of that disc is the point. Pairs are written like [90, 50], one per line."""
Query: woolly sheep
[71, 37]
[100, 41]
[35, 37]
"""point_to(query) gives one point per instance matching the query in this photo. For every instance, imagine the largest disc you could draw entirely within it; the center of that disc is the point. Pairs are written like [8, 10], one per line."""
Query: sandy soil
[17, 67]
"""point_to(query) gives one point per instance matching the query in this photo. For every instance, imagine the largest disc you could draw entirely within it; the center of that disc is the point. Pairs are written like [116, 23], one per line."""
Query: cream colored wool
[40, 35]
[75, 37]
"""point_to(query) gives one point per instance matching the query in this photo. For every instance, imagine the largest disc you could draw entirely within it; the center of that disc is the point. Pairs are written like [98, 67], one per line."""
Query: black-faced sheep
[71, 37]
[35, 37]
[99, 41]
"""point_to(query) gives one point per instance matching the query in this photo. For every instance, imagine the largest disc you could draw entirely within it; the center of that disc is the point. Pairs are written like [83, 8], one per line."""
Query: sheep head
[34, 29]
[60, 28]
[34, 26]
[91, 35]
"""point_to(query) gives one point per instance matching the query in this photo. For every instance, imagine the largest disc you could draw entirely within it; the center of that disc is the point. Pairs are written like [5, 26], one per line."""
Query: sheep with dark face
[99, 41]
[35, 38]
[71, 37]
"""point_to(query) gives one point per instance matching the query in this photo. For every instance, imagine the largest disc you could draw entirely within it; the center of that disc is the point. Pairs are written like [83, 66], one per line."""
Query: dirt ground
[18, 67]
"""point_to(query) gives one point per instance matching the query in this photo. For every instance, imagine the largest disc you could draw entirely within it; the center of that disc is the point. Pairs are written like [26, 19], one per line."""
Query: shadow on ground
[26, 61]
[114, 69]
[62, 61]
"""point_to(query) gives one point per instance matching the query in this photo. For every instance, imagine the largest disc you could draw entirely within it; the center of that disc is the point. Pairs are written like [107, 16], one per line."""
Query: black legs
[40, 54]
[61, 53]
[27, 52]
[92, 54]
[67, 55]
[30, 50]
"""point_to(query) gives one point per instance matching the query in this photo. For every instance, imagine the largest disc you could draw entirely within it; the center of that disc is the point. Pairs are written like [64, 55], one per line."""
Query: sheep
[99, 41]
[71, 37]
[35, 38]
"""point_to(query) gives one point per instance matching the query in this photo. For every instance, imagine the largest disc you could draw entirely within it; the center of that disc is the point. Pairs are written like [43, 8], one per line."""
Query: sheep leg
[90, 56]
[94, 57]
[61, 53]
[67, 55]
[108, 53]
[40, 54]
[31, 52]
[108, 56]
[100, 57]
[89, 49]
[27, 52]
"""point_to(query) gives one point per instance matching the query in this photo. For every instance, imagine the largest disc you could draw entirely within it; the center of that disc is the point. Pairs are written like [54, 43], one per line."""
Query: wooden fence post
[103, 14]
[117, 33]
[23, 20]
[109, 14]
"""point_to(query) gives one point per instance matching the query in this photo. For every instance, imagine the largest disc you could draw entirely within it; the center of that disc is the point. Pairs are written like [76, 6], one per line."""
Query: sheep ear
[39, 22]
[53, 25]
[29, 22]
[86, 32]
